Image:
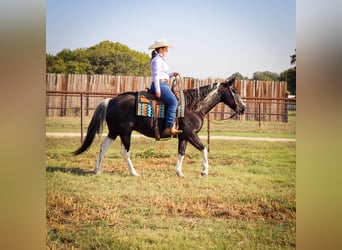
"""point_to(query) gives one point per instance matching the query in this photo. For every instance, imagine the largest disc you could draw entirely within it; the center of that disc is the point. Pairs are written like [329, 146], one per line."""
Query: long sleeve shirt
[159, 70]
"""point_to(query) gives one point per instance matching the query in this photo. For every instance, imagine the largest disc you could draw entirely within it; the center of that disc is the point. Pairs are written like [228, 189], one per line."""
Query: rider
[160, 84]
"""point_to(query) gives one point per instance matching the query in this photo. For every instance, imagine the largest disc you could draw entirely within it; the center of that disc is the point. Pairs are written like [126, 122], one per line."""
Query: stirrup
[171, 132]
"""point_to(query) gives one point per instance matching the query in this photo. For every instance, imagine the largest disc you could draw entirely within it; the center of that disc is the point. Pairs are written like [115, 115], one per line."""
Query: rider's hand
[175, 73]
[158, 95]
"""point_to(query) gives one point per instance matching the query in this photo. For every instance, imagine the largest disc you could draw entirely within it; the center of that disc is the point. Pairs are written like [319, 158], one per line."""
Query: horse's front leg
[196, 142]
[126, 155]
[205, 162]
[125, 145]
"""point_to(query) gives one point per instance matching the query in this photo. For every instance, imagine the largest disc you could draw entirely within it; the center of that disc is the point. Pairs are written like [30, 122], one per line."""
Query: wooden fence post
[81, 95]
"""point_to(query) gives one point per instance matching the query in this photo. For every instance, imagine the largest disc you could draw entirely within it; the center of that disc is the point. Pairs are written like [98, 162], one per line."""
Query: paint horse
[120, 115]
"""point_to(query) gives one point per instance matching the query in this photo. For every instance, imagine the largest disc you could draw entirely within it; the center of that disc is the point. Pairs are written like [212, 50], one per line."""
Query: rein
[237, 106]
[231, 116]
[177, 83]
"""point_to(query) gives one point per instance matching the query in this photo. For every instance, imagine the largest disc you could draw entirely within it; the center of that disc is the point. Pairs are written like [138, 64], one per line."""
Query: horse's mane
[196, 96]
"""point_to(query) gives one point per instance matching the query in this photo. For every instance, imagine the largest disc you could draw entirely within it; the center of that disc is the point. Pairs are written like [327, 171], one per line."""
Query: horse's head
[231, 96]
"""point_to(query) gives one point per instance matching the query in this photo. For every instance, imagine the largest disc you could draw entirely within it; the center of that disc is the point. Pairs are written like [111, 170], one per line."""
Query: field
[248, 201]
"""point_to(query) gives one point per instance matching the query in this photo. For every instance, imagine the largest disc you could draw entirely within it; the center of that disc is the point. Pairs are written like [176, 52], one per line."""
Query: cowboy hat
[160, 43]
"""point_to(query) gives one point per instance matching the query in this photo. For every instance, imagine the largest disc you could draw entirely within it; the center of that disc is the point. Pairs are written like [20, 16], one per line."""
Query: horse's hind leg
[181, 152]
[125, 145]
[104, 147]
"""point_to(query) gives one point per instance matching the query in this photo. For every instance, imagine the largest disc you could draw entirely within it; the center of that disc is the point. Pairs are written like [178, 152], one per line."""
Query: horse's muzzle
[240, 109]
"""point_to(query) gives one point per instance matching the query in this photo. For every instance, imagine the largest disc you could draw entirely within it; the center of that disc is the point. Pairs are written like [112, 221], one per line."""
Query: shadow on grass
[75, 171]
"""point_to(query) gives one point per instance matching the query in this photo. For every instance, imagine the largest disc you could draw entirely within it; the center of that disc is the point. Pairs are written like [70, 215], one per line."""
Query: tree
[104, 58]
[265, 76]
[289, 76]
[55, 64]
[239, 76]
[293, 58]
[66, 55]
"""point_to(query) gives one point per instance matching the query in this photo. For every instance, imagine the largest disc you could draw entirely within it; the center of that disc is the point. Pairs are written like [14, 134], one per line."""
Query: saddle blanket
[145, 106]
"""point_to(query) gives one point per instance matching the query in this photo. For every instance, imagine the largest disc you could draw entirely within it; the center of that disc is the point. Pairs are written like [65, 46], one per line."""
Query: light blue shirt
[159, 70]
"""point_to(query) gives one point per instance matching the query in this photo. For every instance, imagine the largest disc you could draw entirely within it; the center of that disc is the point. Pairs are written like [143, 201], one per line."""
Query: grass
[246, 202]
[223, 127]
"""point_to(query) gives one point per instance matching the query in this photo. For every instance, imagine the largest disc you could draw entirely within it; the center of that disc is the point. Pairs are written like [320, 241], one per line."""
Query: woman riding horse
[160, 84]
[120, 115]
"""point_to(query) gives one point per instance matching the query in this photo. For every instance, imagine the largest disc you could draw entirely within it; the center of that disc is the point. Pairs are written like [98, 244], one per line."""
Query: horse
[121, 118]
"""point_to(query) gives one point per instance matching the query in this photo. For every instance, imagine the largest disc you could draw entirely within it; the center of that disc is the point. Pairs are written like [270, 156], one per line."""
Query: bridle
[232, 91]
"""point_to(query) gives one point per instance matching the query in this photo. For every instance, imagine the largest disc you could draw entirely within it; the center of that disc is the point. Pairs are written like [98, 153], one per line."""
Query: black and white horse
[120, 115]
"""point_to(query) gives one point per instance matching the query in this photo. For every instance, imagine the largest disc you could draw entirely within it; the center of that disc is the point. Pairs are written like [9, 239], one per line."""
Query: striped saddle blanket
[149, 106]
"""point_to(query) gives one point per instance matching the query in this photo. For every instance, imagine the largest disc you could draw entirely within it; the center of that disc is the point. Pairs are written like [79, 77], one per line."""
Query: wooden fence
[264, 99]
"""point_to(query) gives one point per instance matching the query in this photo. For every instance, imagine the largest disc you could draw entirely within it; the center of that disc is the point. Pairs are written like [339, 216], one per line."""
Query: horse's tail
[95, 126]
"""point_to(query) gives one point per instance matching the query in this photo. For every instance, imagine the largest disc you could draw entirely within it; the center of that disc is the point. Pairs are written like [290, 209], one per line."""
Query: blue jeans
[170, 100]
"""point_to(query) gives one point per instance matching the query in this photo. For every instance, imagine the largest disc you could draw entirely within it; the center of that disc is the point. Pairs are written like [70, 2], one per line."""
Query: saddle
[149, 106]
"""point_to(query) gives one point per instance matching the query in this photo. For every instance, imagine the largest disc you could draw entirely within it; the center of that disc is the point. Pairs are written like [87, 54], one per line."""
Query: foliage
[289, 76]
[104, 58]
[293, 58]
[266, 76]
[239, 76]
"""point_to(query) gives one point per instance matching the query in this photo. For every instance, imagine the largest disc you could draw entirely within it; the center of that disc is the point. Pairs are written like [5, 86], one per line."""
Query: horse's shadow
[75, 171]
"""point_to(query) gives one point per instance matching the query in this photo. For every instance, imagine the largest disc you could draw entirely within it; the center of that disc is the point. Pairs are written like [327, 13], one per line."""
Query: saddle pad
[145, 107]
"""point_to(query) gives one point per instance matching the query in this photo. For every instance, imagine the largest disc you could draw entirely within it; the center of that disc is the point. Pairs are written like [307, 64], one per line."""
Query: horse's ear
[230, 81]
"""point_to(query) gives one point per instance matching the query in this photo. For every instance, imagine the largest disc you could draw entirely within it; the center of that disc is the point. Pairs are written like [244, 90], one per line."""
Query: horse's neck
[203, 99]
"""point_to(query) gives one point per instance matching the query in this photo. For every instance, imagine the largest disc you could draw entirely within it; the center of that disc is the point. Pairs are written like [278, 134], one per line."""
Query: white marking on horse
[212, 94]
[179, 165]
[205, 162]
[127, 158]
[104, 147]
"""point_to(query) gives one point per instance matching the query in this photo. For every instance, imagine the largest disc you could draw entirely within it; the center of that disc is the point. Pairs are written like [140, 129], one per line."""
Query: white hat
[160, 43]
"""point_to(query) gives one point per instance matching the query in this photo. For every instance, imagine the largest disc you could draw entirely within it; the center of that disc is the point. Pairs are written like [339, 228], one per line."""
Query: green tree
[104, 58]
[239, 76]
[265, 76]
[66, 55]
[55, 64]
[293, 58]
[117, 59]
[289, 76]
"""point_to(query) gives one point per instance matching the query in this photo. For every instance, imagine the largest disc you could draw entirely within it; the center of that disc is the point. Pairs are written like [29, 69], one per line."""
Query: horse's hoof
[181, 175]
[204, 174]
[97, 172]
[135, 174]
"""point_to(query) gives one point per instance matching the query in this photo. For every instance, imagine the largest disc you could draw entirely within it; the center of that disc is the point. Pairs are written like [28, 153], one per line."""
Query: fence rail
[76, 103]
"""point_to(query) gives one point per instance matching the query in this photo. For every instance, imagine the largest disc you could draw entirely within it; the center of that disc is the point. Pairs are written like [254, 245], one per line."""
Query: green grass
[223, 127]
[246, 202]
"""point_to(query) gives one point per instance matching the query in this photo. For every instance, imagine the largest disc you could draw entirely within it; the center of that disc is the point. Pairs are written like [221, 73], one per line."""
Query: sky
[211, 38]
